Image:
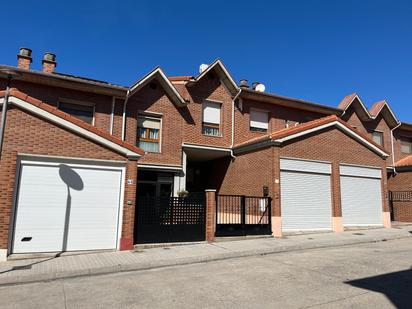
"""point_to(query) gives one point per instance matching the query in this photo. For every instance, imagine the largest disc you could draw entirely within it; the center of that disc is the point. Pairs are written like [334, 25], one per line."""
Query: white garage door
[306, 202]
[62, 207]
[361, 196]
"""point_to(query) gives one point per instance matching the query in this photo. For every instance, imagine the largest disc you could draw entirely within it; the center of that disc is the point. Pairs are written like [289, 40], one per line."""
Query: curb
[47, 277]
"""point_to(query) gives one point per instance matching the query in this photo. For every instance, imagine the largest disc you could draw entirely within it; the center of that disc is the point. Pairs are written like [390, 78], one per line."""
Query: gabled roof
[71, 123]
[279, 137]
[160, 76]
[404, 162]
[224, 76]
[381, 107]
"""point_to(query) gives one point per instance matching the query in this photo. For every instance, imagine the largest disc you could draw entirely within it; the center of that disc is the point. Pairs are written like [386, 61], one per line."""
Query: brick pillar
[129, 206]
[210, 214]
[386, 214]
[337, 224]
[276, 200]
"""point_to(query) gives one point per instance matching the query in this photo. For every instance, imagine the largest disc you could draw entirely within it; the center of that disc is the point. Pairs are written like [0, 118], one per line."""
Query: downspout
[393, 148]
[112, 116]
[124, 115]
[3, 115]
[233, 123]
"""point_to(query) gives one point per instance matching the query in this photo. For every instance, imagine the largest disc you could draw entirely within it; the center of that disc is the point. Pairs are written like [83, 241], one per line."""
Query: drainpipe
[124, 115]
[112, 116]
[233, 123]
[393, 147]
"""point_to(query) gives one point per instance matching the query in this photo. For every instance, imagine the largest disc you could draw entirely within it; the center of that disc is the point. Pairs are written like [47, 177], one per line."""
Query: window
[377, 137]
[211, 118]
[148, 133]
[80, 111]
[406, 145]
[259, 121]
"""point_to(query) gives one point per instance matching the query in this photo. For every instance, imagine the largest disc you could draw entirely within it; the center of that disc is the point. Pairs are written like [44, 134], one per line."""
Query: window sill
[219, 136]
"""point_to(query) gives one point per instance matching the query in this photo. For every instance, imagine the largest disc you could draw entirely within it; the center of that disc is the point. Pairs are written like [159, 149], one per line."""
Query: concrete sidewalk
[66, 266]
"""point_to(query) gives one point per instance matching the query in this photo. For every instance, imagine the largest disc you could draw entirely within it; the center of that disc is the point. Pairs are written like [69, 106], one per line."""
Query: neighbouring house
[86, 163]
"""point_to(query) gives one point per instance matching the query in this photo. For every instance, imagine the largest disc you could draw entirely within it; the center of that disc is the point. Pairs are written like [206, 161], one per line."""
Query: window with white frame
[211, 118]
[406, 145]
[81, 111]
[259, 120]
[148, 133]
[377, 137]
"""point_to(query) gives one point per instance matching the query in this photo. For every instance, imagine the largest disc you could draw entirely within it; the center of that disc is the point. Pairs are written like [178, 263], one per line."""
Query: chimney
[24, 58]
[243, 83]
[49, 62]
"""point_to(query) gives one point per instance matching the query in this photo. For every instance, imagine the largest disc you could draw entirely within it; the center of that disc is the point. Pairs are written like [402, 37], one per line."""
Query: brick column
[386, 214]
[129, 206]
[276, 200]
[210, 214]
[337, 224]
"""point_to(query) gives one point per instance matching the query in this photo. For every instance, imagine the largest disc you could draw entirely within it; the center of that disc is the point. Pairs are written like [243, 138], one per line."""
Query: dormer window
[211, 118]
[377, 137]
[406, 145]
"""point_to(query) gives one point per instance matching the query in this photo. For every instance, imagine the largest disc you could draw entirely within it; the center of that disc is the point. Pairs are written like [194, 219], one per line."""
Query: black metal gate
[397, 197]
[239, 215]
[170, 219]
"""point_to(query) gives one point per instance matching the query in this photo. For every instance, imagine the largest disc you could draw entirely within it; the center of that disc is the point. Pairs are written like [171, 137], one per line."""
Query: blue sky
[314, 50]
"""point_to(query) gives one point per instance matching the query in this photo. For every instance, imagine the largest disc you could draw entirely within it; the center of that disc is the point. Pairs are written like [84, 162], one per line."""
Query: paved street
[376, 275]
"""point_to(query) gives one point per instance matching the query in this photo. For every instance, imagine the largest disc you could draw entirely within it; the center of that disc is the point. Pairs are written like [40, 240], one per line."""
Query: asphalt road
[375, 275]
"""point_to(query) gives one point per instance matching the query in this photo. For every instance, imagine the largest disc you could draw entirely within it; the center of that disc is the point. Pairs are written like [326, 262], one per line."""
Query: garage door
[306, 202]
[361, 196]
[65, 207]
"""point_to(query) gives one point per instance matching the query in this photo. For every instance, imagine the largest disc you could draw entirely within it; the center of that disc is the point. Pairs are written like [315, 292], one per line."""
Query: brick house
[325, 168]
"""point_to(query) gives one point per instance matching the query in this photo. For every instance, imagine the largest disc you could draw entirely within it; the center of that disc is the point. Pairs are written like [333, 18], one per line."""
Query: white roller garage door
[62, 206]
[306, 202]
[361, 196]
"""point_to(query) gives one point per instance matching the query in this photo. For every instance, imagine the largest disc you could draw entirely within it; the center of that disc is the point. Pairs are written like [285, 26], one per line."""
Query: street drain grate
[359, 234]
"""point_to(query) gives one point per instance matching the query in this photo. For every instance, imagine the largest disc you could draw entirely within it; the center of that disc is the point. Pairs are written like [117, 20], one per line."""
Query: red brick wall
[249, 172]
[156, 101]
[51, 95]
[25, 133]
[277, 117]
[378, 124]
[401, 182]
[398, 135]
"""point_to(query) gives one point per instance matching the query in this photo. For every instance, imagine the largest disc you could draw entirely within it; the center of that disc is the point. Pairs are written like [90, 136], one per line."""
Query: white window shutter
[259, 119]
[148, 123]
[211, 112]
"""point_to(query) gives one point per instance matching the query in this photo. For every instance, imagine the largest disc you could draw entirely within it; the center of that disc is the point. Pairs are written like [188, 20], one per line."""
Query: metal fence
[170, 219]
[239, 215]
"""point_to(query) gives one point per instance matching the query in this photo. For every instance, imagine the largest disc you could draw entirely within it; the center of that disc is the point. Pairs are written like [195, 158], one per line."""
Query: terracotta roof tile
[404, 162]
[307, 126]
[179, 78]
[55, 111]
[347, 100]
[376, 107]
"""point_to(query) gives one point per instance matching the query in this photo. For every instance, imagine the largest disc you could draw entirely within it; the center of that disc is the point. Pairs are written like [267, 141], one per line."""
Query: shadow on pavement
[396, 286]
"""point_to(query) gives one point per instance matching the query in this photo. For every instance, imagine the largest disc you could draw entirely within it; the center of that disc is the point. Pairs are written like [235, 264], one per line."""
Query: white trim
[193, 146]
[359, 165]
[73, 127]
[211, 66]
[390, 110]
[152, 75]
[343, 128]
[112, 116]
[160, 167]
[34, 157]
